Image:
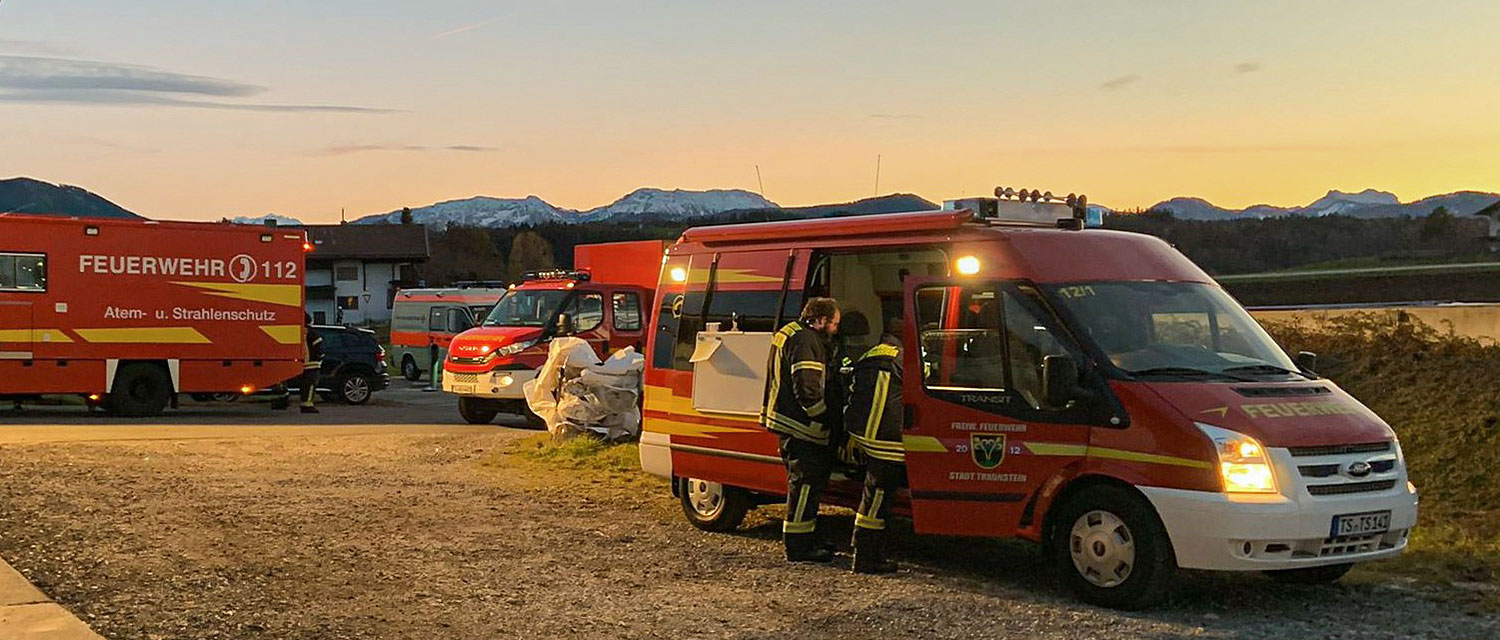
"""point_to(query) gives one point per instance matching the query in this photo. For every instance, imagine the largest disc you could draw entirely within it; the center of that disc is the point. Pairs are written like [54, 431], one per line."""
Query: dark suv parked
[353, 365]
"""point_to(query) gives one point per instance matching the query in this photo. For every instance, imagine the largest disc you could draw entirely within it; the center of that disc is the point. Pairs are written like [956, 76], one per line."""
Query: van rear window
[23, 272]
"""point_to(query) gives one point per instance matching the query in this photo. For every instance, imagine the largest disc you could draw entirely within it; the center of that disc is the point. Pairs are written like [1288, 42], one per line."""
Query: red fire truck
[132, 313]
[603, 302]
[1091, 390]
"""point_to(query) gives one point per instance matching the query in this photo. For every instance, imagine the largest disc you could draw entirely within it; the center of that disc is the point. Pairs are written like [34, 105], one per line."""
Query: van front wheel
[410, 370]
[1112, 549]
[477, 411]
[711, 506]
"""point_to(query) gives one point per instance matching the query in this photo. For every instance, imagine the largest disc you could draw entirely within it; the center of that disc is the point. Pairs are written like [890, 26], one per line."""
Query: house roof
[368, 242]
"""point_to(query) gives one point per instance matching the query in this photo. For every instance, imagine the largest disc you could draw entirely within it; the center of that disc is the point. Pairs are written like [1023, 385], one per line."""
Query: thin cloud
[894, 116]
[133, 98]
[1247, 67]
[346, 149]
[51, 80]
[466, 28]
[1120, 82]
[38, 73]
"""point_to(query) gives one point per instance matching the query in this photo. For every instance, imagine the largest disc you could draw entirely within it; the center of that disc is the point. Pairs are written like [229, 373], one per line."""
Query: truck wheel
[711, 506]
[141, 390]
[1327, 574]
[476, 411]
[1112, 549]
[410, 370]
[355, 388]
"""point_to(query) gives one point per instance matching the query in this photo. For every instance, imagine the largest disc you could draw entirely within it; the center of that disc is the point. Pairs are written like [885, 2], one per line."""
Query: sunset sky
[197, 109]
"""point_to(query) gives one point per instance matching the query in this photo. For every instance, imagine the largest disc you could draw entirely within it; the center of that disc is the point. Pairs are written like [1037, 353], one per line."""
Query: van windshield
[526, 308]
[1173, 330]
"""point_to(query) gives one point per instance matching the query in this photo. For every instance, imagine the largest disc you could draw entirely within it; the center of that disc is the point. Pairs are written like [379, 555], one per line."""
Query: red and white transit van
[131, 313]
[1091, 390]
[424, 318]
[606, 305]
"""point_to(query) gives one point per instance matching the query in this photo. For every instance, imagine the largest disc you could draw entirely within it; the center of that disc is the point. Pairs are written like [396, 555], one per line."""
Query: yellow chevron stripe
[33, 335]
[1059, 449]
[923, 444]
[1136, 456]
[289, 295]
[693, 429]
[284, 333]
[139, 335]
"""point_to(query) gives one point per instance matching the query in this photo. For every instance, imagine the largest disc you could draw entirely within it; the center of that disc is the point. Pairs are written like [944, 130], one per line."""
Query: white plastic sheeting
[575, 393]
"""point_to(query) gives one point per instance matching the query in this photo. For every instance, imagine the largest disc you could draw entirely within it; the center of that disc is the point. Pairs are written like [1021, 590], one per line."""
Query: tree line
[1220, 246]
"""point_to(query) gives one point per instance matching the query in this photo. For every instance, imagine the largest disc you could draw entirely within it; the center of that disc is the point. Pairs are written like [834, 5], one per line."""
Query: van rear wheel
[1327, 574]
[410, 370]
[141, 390]
[476, 410]
[711, 506]
[1112, 548]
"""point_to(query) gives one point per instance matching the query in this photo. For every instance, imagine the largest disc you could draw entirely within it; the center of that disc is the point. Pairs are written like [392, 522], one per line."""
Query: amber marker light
[967, 265]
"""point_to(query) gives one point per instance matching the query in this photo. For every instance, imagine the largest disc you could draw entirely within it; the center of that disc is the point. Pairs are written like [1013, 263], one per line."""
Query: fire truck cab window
[458, 320]
[587, 311]
[627, 308]
[962, 343]
[23, 272]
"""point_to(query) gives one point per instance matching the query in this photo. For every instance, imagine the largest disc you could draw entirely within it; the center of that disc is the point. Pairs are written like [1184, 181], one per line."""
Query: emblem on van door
[987, 449]
[1358, 469]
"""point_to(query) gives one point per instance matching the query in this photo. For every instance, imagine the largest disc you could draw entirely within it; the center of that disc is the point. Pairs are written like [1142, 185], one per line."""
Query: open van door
[980, 440]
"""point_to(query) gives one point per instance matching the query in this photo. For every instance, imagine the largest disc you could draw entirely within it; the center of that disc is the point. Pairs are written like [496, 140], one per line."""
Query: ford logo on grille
[1357, 469]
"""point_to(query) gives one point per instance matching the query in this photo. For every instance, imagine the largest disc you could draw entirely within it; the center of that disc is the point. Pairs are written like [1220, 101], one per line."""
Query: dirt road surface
[396, 521]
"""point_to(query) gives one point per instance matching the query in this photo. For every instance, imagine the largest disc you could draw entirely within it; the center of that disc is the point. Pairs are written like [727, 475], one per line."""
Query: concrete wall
[1473, 320]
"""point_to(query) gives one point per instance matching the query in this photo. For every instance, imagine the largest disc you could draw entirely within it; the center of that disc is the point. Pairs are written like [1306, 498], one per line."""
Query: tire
[1326, 574]
[202, 397]
[354, 388]
[1112, 548]
[141, 390]
[410, 370]
[476, 411]
[225, 397]
[711, 506]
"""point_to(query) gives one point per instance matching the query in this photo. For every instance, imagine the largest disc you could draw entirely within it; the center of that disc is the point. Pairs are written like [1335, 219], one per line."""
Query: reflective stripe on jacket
[795, 375]
[875, 414]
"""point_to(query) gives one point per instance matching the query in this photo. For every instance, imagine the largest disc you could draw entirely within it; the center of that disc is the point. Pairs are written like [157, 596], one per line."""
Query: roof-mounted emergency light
[1028, 206]
[557, 274]
[967, 265]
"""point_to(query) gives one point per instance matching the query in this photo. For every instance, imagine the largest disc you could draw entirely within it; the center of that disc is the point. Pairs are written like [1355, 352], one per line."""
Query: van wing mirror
[1307, 361]
[1059, 380]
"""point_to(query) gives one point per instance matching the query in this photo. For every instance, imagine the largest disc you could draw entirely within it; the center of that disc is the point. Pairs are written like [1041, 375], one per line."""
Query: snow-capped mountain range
[484, 211]
[1369, 203]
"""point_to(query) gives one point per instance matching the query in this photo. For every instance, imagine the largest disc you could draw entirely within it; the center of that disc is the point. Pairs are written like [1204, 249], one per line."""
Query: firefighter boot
[869, 552]
[805, 547]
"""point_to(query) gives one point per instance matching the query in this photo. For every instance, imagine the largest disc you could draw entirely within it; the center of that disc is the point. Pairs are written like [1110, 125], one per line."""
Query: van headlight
[1243, 465]
[514, 348]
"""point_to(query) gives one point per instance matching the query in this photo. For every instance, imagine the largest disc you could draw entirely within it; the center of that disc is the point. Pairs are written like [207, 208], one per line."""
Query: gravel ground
[422, 535]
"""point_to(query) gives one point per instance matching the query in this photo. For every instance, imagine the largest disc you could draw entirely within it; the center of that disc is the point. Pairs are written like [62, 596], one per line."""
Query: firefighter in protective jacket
[312, 364]
[796, 409]
[874, 420]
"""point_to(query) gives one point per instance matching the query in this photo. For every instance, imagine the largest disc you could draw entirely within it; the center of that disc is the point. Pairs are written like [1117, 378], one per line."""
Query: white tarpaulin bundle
[576, 393]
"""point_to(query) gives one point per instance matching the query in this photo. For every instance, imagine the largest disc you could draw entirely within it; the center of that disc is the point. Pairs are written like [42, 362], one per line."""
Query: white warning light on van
[967, 265]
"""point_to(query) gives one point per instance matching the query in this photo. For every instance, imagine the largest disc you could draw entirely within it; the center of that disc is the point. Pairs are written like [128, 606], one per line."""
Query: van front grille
[1329, 470]
[1351, 487]
[462, 378]
[1340, 449]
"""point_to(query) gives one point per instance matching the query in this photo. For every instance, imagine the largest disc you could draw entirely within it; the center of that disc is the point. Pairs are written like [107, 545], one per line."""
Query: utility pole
[760, 182]
[877, 174]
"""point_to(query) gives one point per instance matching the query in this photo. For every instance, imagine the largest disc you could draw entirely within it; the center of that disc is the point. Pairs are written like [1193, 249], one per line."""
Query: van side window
[458, 320]
[627, 308]
[23, 272]
[437, 319]
[963, 346]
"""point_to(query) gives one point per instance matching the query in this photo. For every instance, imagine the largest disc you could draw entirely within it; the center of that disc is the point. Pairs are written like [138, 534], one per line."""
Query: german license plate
[463, 388]
[1356, 524]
